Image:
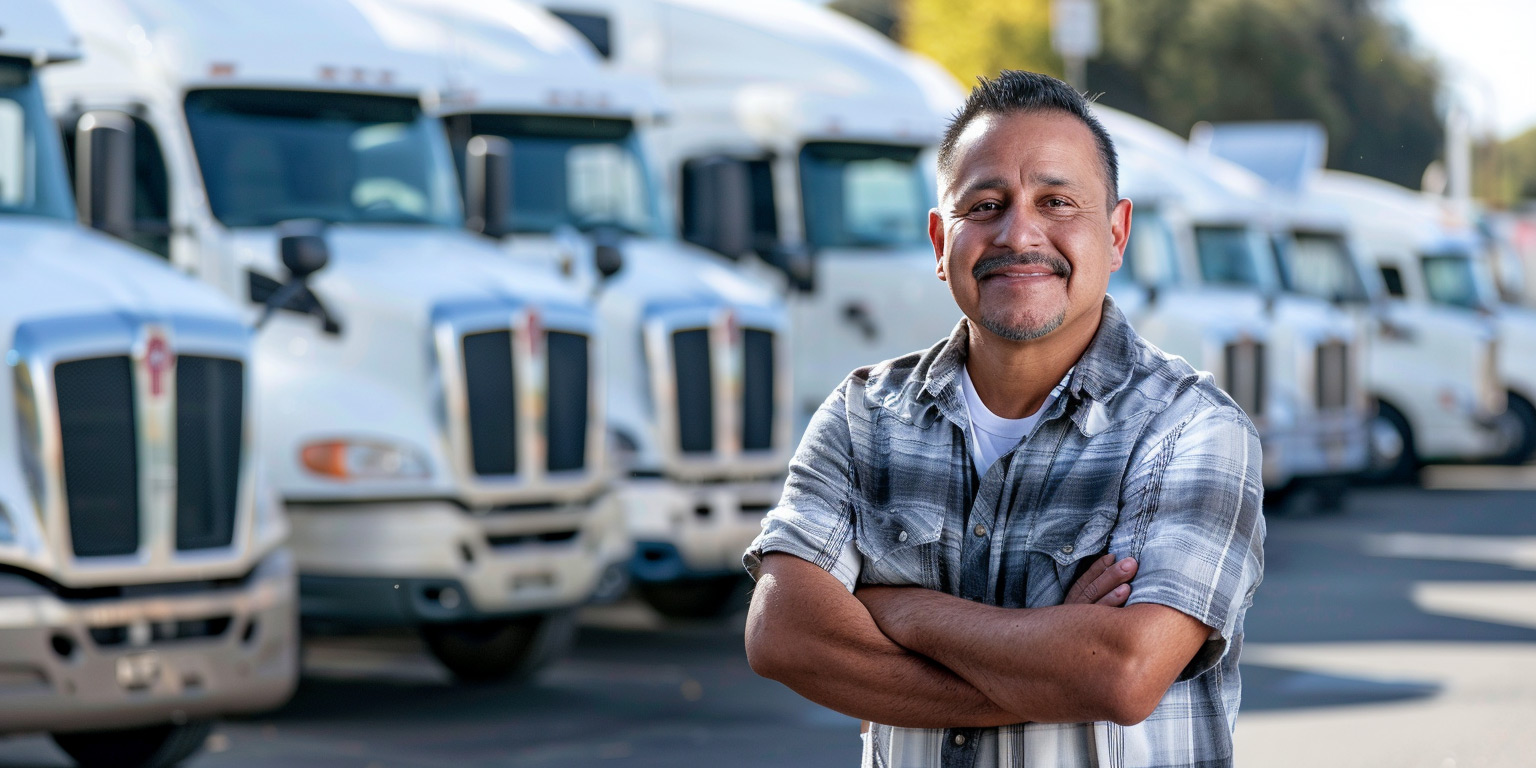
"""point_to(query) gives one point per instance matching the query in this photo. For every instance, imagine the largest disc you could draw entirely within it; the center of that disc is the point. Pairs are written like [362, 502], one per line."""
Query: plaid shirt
[1141, 456]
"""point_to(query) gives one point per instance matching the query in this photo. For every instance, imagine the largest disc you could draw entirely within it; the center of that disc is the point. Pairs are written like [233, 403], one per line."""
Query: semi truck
[1432, 370]
[432, 409]
[1297, 374]
[798, 144]
[144, 585]
[697, 360]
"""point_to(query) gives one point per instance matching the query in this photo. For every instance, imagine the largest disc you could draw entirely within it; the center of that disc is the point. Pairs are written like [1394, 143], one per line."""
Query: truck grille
[492, 389]
[1332, 368]
[695, 391]
[98, 430]
[1245, 376]
[210, 404]
[694, 367]
[569, 385]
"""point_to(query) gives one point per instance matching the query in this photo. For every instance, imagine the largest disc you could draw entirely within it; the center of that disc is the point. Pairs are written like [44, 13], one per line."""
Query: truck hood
[52, 268]
[412, 268]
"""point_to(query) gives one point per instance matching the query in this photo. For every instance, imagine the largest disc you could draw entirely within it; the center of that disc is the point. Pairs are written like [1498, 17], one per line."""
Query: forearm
[821, 642]
[1068, 663]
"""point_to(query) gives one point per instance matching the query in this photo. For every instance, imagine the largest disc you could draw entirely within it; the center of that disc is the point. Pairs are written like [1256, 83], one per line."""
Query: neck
[1013, 378]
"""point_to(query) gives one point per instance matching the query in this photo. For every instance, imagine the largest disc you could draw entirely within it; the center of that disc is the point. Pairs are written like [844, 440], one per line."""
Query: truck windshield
[32, 178]
[568, 171]
[1151, 256]
[863, 196]
[1454, 279]
[1231, 256]
[1320, 265]
[267, 156]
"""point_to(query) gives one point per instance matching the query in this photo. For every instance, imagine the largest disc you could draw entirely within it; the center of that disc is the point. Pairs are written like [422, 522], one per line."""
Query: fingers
[1105, 582]
[1081, 590]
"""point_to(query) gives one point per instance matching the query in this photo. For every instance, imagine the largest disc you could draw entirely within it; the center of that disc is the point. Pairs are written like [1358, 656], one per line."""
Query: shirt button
[1067, 550]
[959, 739]
[901, 536]
[981, 530]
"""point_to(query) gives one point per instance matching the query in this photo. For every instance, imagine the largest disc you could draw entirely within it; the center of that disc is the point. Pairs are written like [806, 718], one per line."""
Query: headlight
[364, 460]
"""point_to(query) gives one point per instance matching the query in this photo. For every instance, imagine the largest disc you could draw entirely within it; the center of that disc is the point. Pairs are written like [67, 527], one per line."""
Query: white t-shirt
[992, 435]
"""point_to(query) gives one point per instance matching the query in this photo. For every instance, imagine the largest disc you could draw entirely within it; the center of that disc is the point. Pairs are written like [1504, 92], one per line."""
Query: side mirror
[797, 264]
[488, 186]
[301, 242]
[720, 203]
[104, 169]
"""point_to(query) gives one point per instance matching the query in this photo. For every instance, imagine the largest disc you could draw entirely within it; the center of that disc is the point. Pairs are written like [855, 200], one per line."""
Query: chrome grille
[569, 390]
[1244, 374]
[758, 391]
[99, 436]
[210, 405]
[490, 383]
[1332, 374]
[695, 391]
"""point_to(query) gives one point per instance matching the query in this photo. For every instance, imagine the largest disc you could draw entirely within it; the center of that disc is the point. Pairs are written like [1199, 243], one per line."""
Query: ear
[1120, 232]
[936, 236]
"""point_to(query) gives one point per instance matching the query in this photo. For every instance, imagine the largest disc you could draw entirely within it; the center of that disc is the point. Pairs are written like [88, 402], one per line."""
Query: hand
[1106, 582]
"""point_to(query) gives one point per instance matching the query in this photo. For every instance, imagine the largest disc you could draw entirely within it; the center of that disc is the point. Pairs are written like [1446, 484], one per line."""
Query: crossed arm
[912, 657]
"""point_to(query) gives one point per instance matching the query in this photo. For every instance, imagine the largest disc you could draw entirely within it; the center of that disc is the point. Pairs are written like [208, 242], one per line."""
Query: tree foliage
[1343, 63]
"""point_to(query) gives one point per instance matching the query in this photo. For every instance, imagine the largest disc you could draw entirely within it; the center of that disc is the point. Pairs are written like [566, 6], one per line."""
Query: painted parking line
[1479, 717]
[1479, 478]
[1513, 551]
[1501, 602]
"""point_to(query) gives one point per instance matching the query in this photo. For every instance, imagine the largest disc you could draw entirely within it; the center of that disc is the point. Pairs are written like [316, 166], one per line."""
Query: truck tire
[1401, 468]
[1522, 415]
[155, 746]
[503, 650]
[705, 598]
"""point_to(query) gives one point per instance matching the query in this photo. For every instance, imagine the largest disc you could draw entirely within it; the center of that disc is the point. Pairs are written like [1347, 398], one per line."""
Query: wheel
[1393, 458]
[1520, 420]
[155, 746]
[508, 650]
[705, 598]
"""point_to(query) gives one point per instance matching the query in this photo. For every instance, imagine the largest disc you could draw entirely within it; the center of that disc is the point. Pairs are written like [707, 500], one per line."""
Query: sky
[1487, 48]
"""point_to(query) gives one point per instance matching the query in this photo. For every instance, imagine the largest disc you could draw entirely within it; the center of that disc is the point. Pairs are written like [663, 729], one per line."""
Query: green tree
[1343, 63]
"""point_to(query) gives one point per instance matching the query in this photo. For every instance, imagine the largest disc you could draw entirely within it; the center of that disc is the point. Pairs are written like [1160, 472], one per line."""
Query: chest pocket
[1070, 542]
[899, 542]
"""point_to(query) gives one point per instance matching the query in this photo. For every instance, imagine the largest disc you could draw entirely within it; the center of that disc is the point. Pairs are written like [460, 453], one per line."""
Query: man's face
[1024, 233]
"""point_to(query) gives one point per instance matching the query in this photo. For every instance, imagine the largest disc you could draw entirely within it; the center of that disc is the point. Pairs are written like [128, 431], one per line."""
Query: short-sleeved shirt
[1140, 455]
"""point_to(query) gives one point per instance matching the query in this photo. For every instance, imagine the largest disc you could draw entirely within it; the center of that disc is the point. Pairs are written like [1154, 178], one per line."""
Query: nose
[1020, 230]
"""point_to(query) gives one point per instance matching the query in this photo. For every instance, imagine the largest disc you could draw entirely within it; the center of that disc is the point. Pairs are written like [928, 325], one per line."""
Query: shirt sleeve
[1198, 535]
[813, 519]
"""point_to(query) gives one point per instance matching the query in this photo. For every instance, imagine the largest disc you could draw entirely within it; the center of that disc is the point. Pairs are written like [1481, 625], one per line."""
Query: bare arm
[1067, 663]
[807, 632]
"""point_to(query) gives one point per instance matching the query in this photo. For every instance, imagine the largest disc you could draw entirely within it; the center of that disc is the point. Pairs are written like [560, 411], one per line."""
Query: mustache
[991, 264]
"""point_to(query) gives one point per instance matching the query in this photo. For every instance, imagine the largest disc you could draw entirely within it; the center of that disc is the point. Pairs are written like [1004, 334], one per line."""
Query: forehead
[1017, 144]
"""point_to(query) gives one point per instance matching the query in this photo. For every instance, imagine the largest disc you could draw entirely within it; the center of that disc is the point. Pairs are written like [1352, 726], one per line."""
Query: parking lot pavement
[1400, 633]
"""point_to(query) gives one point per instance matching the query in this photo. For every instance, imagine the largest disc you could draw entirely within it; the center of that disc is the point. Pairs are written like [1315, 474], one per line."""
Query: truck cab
[432, 408]
[143, 573]
[1296, 374]
[826, 129]
[697, 360]
[1436, 355]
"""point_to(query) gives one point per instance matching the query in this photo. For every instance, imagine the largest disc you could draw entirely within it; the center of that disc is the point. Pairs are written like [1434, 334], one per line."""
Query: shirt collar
[1101, 373]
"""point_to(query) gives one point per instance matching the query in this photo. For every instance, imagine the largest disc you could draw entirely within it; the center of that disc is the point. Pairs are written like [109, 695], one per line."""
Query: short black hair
[1015, 90]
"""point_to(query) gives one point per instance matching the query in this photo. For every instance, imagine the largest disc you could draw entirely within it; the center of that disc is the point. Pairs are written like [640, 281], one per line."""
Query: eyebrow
[999, 183]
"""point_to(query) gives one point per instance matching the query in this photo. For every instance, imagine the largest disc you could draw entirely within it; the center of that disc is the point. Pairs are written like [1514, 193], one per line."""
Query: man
[915, 573]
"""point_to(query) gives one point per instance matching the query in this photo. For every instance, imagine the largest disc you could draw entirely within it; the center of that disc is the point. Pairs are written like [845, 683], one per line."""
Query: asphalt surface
[1438, 573]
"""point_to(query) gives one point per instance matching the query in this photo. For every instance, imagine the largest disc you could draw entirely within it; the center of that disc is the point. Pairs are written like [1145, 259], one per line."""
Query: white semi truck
[432, 409]
[830, 129]
[1432, 370]
[144, 585]
[697, 363]
[1292, 361]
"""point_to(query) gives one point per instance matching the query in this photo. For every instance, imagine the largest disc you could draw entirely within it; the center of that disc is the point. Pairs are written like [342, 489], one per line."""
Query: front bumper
[1321, 445]
[410, 562]
[69, 665]
[688, 530]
